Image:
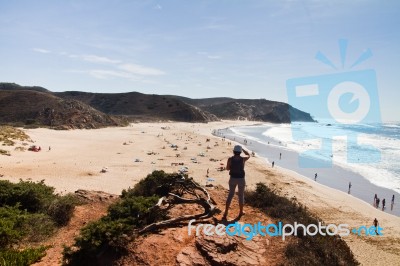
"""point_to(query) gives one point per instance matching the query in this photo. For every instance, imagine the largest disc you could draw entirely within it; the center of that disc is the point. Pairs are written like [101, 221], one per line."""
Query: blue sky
[198, 49]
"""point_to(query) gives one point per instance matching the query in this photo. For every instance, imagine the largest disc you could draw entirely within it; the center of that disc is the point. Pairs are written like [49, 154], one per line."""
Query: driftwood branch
[183, 191]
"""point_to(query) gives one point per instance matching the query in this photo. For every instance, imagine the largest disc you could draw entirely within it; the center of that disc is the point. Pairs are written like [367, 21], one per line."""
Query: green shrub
[12, 222]
[150, 185]
[21, 258]
[62, 209]
[29, 212]
[17, 225]
[111, 233]
[38, 227]
[31, 196]
[38, 198]
[302, 250]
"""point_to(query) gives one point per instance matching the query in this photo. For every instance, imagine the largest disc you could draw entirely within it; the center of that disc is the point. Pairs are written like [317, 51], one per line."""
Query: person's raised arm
[247, 154]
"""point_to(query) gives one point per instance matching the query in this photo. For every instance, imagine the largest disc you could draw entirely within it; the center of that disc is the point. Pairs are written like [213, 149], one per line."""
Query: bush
[31, 196]
[38, 227]
[17, 225]
[111, 233]
[29, 212]
[150, 185]
[21, 258]
[302, 250]
[11, 226]
[62, 209]
[38, 198]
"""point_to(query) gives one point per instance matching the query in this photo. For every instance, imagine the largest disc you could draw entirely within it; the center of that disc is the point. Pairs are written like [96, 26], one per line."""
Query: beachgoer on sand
[383, 204]
[273, 163]
[315, 177]
[376, 224]
[235, 165]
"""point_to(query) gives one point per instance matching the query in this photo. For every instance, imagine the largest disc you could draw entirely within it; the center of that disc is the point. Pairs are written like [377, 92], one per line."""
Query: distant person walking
[375, 198]
[383, 204]
[280, 155]
[235, 165]
[376, 225]
[349, 188]
[377, 202]
[391, 205]
[315, 177]
[273, 163]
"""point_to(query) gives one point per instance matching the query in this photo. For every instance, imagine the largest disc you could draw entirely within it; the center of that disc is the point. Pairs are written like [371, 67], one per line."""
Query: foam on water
[386, 138]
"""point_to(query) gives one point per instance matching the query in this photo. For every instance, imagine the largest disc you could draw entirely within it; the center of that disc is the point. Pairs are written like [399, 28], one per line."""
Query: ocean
[376, 161]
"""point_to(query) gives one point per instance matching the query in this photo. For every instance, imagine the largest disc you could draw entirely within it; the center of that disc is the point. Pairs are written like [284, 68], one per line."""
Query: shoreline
[336, 177]
[77, 157]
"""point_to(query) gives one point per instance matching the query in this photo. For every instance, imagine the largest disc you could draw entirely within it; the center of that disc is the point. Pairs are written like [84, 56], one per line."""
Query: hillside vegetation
[29, 213]
[38, 109]
[36, 106]
[116, 238]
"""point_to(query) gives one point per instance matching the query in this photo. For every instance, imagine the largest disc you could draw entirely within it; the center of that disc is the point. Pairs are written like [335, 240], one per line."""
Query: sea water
[385, 138]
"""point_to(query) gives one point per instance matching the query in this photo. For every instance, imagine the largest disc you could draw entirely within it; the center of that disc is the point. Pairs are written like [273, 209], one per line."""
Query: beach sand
[128, 154]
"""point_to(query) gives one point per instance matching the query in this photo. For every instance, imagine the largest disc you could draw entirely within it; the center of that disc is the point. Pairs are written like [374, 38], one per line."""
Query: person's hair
[237, 152]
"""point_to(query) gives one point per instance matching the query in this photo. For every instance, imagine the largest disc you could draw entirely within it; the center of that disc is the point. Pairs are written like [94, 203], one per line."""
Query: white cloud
[214, 57]
[117, 68]
[40, 50]
[99, 59]
[94, 58]
[141, 70]
[158, 6]
[104, 74]
[209, 56]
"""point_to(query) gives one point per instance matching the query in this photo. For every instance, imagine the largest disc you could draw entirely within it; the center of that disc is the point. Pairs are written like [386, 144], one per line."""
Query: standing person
[375, 198]
[235, 165]
[391, 205]
[383, 204]
[377, 202]
[280, 155]
[349, 187]
[273, 163]
[315, 177]
[376, 224]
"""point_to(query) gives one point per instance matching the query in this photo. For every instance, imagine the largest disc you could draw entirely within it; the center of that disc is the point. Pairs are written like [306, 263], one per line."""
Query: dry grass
[8, 135]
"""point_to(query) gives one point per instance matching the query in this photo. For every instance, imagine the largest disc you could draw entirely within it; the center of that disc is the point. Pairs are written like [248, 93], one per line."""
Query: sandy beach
[71, 160]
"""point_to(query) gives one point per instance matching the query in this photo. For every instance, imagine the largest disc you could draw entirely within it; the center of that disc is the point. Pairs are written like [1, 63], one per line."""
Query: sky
[198, 49]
